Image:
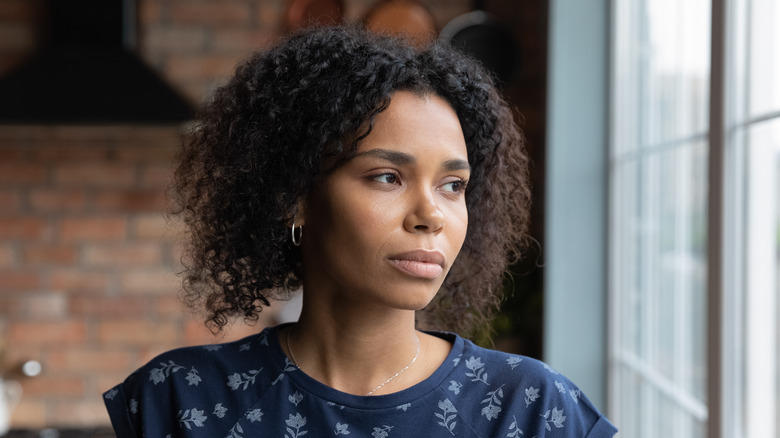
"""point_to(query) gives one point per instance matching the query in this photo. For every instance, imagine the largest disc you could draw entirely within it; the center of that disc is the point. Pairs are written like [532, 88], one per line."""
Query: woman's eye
[455, 186]
[387, 178]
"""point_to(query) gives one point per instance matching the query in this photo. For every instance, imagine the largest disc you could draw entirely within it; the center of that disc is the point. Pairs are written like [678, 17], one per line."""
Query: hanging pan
[303, 13]
[487, 39]
[407, 18]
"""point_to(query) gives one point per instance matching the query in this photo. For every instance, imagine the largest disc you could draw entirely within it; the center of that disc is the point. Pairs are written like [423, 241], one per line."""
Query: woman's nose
[424, 213]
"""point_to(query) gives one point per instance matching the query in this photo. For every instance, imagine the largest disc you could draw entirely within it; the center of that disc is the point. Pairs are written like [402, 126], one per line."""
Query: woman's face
[385, 227]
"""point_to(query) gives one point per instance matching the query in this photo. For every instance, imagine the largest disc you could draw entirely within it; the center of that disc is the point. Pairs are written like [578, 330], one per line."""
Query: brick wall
[87, 257]
[87, 263]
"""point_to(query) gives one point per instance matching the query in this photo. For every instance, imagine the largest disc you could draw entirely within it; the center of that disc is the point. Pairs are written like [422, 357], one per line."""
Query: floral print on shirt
[249, 388]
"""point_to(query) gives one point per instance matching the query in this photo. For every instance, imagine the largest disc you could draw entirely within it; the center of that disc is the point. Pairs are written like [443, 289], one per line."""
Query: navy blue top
[249, 388]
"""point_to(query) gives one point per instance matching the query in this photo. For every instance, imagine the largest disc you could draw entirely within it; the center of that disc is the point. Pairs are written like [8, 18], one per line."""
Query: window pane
[754, 169]
[661, 72]
[659, 217]
[660, 233]
[676, 70]
[764, 53]
[761, 270]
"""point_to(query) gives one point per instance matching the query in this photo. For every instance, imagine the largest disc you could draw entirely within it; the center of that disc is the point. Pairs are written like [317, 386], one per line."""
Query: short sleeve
[602, 429]
[119, 412]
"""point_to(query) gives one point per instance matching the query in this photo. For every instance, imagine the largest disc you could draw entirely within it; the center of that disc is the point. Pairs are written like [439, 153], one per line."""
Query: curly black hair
[260, 145]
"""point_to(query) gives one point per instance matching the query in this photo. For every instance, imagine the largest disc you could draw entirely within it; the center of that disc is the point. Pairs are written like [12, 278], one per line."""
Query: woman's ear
[296, 225]
[299, 214]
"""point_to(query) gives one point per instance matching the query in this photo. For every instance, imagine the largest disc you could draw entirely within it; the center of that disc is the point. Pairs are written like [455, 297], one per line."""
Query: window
[658, 169]
[666, 153]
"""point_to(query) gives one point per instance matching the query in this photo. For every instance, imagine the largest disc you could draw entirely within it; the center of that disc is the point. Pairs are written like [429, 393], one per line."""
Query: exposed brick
[169, 307]
[51, 200]
[30, 413]
[71, 150]
[84, 412]
[108, 306]
[14, 137]
[150, 351]
[196, 333]
[153, 135]
[46, 386]
[47, 332]
[9, 201]
[157, 227]
[130, 200]
[22, 173]
[25, 228]
[149, 282]
[197, 88]
[149, 150]
[21, 352]
[93, 229]
[175, 39]
[225, 12]
[33, 135]
[19, 281]
[10, 304]
[7, 255]
[149, 13]
[97, 174]
[123, 256]
[10, 153]
[268, 14]
[89, 359]
[49, 255]
[104, 133]
[157, 175]
[107, 380]
[241, 41]
[76, 281]
[184, 67]
[174, 258]
[138, 332]
[44, 305]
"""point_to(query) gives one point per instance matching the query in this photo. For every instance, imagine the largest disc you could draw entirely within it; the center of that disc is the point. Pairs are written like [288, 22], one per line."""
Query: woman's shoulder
[193, 382]
[474, 356]
[202, 359]
[520, 393]
[510, 371]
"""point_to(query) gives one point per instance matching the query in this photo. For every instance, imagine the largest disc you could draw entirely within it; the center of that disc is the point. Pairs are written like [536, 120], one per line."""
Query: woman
[389, 184]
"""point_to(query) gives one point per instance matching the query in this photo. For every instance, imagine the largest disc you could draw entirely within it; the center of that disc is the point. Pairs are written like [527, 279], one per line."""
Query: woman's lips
[420, 263]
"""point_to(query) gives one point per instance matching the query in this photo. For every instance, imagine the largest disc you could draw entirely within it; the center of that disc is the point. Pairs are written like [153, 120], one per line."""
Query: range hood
[88, 72]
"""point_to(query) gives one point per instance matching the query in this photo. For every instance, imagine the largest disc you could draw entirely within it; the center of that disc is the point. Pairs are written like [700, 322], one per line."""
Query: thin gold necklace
[416, 354]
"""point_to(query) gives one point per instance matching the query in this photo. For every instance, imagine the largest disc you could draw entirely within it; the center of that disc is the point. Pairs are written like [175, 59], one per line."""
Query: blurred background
[94, 95]
[654, 128]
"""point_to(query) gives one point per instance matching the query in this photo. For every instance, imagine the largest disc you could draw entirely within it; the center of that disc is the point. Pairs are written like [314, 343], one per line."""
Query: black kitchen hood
[88, 72]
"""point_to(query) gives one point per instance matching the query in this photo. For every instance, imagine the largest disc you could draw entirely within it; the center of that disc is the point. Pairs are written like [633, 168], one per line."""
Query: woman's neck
[355, 353]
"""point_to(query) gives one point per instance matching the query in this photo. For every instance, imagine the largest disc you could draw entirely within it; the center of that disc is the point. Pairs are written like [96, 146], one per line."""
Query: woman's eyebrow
[401, 158]
[451, 165]
[395, 157]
